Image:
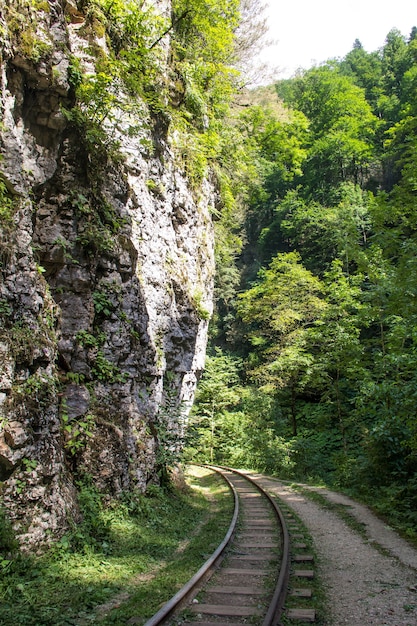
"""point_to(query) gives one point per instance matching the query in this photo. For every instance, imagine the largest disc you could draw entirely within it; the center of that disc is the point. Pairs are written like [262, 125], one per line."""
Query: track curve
[249, 570]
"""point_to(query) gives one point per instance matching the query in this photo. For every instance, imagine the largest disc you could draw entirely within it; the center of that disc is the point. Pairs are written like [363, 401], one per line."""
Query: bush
[8, 543]
[94, 528]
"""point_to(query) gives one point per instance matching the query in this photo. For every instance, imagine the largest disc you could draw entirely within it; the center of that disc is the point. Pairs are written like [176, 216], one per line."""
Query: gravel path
[364, 585]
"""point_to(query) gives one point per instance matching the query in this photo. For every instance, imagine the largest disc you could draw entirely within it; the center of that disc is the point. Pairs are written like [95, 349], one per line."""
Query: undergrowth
[129, 555]
[380, 505]
[396, 504]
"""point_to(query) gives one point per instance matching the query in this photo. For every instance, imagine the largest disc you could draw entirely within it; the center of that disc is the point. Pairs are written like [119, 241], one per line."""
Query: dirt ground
[370, 578]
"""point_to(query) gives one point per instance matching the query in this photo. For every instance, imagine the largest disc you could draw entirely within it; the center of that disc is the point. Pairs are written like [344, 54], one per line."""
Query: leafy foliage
[341, 125]
[100, 558]
[325, 321]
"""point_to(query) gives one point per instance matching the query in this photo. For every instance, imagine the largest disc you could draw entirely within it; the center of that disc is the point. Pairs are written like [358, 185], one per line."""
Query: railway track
[249, 572]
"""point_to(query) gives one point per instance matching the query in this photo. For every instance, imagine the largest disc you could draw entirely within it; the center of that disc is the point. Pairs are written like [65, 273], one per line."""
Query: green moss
[202, 312]
[23, 27]
[41, 5]
[34, 48]
[24, 340]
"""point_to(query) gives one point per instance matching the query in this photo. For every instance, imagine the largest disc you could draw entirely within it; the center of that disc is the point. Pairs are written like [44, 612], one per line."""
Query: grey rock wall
[105, 289]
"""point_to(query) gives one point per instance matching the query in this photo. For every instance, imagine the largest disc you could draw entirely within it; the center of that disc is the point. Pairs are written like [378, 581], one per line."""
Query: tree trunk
[293, 411]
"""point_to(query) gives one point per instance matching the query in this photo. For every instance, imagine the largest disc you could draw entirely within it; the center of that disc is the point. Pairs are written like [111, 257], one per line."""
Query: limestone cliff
[106, 276]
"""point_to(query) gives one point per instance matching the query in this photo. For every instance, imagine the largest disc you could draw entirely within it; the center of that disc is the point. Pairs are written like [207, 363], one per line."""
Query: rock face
[106, 260]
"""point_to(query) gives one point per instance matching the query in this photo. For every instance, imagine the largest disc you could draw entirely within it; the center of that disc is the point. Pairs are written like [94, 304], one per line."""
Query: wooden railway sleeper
[254, 563]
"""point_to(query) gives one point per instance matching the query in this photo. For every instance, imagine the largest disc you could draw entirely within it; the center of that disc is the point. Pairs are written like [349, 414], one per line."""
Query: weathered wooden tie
[245, 572]
[216, 623]
[299, 558]
[303, 615]
[304, 573]
[258, 542]
[237, 590]
[225, 610]
[252, 557]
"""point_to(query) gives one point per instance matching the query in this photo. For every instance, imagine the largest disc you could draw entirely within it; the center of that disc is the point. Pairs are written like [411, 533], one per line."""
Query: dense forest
[312, 368]
[310, 186]
[133, 154]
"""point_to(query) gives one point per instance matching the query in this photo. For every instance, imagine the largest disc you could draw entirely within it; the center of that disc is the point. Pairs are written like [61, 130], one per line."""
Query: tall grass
[125, 559]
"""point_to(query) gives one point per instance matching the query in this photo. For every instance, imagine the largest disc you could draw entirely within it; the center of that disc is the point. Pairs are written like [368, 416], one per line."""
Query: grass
[123, 562]
[341, 510]
[395, 505]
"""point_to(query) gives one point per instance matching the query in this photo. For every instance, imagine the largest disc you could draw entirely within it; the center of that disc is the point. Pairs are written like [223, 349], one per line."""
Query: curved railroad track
[249, 572]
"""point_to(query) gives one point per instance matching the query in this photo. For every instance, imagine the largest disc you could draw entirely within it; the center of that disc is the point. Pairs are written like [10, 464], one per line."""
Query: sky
[308, 32]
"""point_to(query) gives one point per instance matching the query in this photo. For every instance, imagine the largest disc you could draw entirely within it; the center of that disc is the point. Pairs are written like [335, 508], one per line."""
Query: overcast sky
[311, 31]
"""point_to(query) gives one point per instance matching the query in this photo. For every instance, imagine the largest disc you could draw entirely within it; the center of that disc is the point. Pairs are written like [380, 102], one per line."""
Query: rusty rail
[276, 605]
[186, 591]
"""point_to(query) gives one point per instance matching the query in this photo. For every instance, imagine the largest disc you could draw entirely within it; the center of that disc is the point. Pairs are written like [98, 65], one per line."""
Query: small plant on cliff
[75, 72]
[6, 205]
[29, 464]
[98, 222]
[5, 309]
[102, 304]
[88, 340]
[76, 431]
[7, 209]
[197, 300]
[101, 368]
[106, 371]
[23, 342]
[167, 428]
[37, 391]
[107, 299]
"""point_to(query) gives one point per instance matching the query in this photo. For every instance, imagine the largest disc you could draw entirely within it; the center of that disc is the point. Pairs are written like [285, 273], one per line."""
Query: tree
[365, 70]
[277, 154]
[277, 313]
[217, 393]
[395, 62]
[339, 351]
[202, 44]
[324, 233]
[250, 39]
[341, 129]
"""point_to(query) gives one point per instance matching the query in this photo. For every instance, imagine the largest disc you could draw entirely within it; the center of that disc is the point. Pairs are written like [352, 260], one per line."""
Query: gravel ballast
[370, 578]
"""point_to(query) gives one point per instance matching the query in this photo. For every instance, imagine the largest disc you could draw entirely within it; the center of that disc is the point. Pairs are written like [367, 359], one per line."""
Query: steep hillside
[106, 259]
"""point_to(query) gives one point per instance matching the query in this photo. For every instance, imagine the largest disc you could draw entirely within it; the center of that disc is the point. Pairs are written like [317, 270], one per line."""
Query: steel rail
[277, 603]
[173, 604]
